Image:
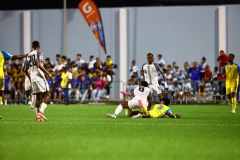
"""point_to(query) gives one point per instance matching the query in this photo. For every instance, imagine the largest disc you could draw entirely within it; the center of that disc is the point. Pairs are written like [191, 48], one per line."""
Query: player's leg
[1, 90]
[119, 109]
[233, 96]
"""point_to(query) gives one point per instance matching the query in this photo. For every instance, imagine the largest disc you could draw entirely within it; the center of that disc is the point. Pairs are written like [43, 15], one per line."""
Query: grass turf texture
[84, 132]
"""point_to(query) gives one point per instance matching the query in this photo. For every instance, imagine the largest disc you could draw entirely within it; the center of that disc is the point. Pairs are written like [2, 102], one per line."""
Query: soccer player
[158, 111]
[5, 56]
[232, 71]
[151, 72]
[39, 83]
[142, 98]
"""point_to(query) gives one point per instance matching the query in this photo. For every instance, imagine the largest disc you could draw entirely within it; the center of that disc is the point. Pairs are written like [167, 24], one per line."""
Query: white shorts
[135, 103]
[155, 88]
[40, 86]
[28, 84]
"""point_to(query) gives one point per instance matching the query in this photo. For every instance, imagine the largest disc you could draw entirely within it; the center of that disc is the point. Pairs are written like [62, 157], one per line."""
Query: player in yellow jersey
[232, 71]
[5, 56]
[158, 111]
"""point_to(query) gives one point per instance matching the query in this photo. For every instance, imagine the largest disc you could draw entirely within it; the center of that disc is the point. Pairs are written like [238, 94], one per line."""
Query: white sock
[5, 101]
[43, 107]
[33, 101]
[118, 109]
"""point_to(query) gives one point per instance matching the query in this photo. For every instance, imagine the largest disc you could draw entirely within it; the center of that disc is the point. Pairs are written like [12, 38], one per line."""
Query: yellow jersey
[3, 55]
[159, 110]
[232, 71]
[65, 79]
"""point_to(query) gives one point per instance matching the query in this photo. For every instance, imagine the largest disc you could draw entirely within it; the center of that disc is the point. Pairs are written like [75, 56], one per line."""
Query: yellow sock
[234, 103]
[127, 98]
[1, 100]
[144, 110]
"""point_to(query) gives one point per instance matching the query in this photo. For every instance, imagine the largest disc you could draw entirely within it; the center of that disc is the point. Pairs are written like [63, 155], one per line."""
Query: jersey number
[32, 61]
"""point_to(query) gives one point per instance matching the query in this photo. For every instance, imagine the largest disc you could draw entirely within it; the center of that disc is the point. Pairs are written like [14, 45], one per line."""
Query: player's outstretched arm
[14, 57]
[174, 116]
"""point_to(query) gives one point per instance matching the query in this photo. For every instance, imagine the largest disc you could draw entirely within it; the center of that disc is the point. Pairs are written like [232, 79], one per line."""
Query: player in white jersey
[151, 72]
[39, 83]
[142, 98]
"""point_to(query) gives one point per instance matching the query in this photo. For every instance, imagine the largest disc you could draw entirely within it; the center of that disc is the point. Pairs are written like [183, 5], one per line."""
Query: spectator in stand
[57, 91]
[64, 60]
[201, 92]
[79, 71]
[79, 60]
[176, 91]
[59, 66]
[57, 58]
[168, 75]
[84, 86]
[195, 76]
[186, 90]
[181, 77]
[108, 81]
[98, 66]
[98, 90]
[186, 69]
[66, 78]
[91, 62]
[6, 86]
[203, 65]
[19, 89]
[74, 67]
[69, 62]
[74, 90]
[208, 75]
[215, 81]
[222, 59]
[6, 64]
[47, 63]
[133, 68]
[160, 61]
[108, 65]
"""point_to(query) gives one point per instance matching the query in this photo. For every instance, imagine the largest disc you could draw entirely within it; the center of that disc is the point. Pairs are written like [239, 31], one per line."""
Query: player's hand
[165, 85]
[48, 76]
[178, 116]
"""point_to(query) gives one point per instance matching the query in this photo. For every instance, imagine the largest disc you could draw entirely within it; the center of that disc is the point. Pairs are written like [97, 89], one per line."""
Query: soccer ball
[128, 112]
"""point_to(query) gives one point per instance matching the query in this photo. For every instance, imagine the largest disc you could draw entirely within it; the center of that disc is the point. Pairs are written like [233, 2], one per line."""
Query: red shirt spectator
[222, 59]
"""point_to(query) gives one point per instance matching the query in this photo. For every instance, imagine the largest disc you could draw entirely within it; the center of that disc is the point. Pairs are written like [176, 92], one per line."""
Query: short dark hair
[144, 83]
[232, 55]
[166, 100]
[150, 54]
[35, 44]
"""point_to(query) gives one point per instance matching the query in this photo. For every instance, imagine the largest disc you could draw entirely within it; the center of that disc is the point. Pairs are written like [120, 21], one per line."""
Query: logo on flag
[92, 16]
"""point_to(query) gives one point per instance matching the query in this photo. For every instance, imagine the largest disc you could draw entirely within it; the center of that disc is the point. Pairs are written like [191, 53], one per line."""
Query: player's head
[35, 44]
[165, 100]
[231, 57]
[144, 83]
[150, 58]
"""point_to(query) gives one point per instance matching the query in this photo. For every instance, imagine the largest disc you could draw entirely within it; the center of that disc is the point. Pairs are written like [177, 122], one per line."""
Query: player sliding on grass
[142, 97]
[158, 111]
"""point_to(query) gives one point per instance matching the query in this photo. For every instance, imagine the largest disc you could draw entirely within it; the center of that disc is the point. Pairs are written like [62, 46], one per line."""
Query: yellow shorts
[231, 86]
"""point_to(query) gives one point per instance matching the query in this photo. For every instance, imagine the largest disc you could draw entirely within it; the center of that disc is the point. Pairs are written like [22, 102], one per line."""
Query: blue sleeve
[223, 70]
[6, 55]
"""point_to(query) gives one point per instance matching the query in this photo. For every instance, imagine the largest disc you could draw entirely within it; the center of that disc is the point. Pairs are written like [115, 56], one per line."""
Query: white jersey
[36, 74]
[151, 73]
[187, 87]
[141, 92]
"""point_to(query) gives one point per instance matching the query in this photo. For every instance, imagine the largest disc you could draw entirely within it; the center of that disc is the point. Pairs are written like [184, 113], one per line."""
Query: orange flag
[92, 16]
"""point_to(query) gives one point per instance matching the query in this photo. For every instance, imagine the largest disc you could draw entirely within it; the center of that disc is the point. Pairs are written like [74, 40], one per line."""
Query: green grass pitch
[83, 132]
